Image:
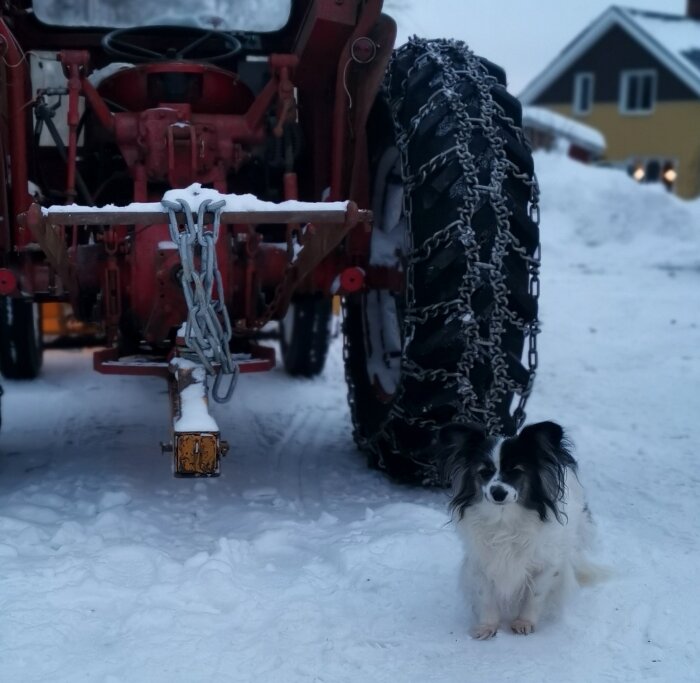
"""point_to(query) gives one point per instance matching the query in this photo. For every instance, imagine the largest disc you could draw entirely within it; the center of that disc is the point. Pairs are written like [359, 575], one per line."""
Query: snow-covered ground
[299, 564]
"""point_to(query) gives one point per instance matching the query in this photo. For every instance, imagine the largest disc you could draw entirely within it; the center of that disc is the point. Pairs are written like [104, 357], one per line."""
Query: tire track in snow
[296, 449]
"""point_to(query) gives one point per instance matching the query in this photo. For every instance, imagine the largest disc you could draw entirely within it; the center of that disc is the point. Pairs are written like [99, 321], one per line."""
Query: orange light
[670, 175]
[638, 174]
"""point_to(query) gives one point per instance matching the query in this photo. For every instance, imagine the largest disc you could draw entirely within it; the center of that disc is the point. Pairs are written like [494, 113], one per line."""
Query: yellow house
[635, 76]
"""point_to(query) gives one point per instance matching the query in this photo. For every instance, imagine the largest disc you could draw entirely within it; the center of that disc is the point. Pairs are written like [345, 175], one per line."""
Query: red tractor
[185, 174]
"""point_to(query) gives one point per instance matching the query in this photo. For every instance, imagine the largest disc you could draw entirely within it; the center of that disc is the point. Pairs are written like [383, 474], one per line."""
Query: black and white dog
[521, 513]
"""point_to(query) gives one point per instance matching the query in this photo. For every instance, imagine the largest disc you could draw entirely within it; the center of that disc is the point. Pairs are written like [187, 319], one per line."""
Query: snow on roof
[579, 133]
[678, 34]
[674, 39]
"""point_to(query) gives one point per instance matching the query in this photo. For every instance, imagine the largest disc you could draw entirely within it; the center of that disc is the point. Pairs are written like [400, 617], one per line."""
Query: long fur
[520, 511]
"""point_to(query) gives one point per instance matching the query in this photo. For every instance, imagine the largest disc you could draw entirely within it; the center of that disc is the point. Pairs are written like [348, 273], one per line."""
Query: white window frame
[625, 77]
[579, 79]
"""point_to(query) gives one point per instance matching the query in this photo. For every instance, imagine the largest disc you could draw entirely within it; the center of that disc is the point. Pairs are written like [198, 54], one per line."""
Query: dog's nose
[498, 493]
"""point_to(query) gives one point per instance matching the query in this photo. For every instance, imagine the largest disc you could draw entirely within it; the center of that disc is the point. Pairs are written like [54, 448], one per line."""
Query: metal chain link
[533, 266]
[208, 327]
[473, 196]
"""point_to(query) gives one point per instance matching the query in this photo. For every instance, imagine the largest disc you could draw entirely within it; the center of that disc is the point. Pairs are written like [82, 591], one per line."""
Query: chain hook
[235, 373]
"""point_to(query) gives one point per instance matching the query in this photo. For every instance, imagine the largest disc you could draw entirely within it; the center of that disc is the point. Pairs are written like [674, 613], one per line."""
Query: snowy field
[299, 564]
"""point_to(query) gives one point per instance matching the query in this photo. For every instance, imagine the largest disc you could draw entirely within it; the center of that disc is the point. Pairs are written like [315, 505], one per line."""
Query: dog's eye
[486, 473]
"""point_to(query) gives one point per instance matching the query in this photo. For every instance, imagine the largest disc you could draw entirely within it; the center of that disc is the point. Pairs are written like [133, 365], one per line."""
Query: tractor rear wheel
[455, 206]
[21, 346]
[305, 335]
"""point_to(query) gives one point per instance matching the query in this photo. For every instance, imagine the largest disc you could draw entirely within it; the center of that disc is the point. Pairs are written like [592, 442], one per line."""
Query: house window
[637, 91]
[583, 93]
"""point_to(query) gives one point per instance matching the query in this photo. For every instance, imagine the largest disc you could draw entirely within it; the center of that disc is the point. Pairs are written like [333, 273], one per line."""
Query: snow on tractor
[185, 176]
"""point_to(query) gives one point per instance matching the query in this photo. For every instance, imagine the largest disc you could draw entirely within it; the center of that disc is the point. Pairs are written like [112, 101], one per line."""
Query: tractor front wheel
[21, 347]
[305, 335]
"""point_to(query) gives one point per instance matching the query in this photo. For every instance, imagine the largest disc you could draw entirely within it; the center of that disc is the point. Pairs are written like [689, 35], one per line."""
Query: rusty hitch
[196, 444]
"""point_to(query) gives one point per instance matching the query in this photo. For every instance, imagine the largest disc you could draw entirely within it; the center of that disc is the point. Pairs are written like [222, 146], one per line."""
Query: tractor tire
[21, 345]
[450, 346]
[305, 335]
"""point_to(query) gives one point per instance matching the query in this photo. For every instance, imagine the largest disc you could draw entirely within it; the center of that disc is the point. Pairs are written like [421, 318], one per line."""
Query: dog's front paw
[522, 627]
[484, 631]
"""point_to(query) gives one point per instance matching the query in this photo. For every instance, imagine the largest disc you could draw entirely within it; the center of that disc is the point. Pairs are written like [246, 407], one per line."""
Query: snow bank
[589, 206]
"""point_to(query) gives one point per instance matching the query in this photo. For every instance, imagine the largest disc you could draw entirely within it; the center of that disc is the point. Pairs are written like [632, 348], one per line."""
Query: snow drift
[299, 564]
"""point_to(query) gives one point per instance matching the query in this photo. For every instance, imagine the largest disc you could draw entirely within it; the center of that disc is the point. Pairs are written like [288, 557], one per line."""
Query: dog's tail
[588, 573]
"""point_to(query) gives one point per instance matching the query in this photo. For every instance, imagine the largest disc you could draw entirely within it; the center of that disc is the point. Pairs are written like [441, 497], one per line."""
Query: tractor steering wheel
[119, 44]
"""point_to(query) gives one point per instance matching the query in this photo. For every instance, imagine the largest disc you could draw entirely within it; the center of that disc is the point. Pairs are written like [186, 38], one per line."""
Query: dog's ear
[547, 444]
[549, 437]
[458, 441]
[546, 433]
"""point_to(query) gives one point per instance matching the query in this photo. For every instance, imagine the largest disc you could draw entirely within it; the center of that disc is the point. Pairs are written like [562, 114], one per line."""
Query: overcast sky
[521, 35]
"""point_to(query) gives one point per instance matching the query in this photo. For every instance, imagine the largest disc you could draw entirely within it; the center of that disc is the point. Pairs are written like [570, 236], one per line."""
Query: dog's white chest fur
[508, 546]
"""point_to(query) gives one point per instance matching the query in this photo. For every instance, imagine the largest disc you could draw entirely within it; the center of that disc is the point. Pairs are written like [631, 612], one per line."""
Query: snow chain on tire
[471, 273]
